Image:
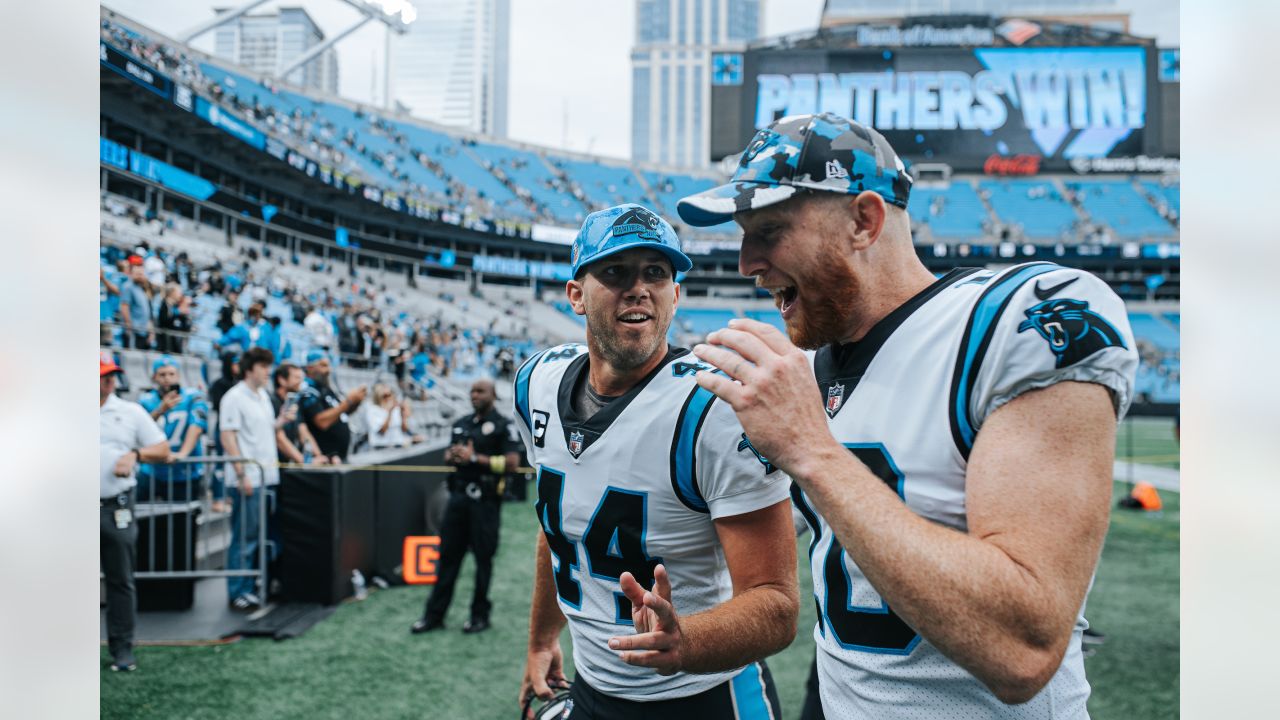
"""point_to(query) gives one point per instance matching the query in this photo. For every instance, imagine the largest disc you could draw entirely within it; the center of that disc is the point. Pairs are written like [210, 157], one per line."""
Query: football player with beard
[956, 466]
[667, 543]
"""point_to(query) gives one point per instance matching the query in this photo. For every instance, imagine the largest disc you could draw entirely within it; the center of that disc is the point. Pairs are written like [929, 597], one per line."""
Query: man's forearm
[326, 418]
[970, 599]
[288, 448]
[545, 619]
[751, 626]
[190, 439]
[158, 452]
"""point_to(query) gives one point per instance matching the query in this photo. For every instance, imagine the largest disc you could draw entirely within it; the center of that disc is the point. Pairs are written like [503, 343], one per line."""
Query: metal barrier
[176, 499]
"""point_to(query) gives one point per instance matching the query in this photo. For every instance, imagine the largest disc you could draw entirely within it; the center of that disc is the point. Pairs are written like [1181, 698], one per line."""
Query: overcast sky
[570, 83]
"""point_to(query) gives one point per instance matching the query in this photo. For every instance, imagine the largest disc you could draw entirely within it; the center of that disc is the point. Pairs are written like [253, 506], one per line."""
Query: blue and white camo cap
[816, 152]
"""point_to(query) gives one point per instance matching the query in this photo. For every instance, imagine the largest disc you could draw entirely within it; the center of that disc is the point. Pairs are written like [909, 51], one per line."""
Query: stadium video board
[1021, 108]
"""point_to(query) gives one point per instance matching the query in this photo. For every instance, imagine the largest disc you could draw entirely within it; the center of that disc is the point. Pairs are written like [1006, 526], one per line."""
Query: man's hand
[658, 640]
[241, 481]
[543, 674]
[774, 380]
[125, 464]
[170, 401]
[318, 458]
[288, 414]
[405, 409]
[355, 397]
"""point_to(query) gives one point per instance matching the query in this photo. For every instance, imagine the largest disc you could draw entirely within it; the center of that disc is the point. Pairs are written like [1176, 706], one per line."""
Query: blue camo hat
[163, 361]
[624, 227]
[816, 152]
[315, 355]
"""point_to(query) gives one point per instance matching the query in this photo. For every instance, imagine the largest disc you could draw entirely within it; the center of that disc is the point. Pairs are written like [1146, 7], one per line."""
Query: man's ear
[573, 290]
[869, 214]
[676, 302]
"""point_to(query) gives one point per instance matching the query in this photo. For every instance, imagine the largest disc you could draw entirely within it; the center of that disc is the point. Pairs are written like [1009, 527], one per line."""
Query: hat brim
[679, 260]
[718, 205]
[105, 370]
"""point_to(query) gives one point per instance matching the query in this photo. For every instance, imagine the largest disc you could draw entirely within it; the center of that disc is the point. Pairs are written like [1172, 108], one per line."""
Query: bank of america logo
[1018, 31]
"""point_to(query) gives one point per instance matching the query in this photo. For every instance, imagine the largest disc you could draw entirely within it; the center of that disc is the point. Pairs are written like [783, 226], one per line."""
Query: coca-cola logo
[1011, 165]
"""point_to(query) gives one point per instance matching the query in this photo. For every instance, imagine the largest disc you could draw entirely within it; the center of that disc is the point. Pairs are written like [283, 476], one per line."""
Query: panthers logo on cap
[1073, 330]
[640, 222]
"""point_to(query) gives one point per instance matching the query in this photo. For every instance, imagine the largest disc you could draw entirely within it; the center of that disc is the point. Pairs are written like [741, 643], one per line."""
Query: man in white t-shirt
[249, 425]
[127, 435]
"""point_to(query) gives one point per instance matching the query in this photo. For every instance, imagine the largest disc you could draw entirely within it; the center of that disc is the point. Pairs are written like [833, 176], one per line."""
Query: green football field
[363, 663]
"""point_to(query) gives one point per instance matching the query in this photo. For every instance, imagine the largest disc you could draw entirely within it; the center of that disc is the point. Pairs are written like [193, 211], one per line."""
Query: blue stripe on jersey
[748, 694]
[978, 334]
[522, 389]
[684, 471]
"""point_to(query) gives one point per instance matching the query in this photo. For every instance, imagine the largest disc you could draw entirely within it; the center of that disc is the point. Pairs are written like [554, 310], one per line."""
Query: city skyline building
[452, 66]
[682, 48]
[268, 42]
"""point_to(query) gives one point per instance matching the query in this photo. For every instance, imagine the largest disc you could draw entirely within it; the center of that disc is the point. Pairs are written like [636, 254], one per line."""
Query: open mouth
[786, 298]
[634, 318]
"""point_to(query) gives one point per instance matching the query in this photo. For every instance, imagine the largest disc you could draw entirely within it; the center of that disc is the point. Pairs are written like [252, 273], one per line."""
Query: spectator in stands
[174, 322]
[183, 414]
[249, 426]
[109, 282]
[320, 328]
[326, 413]
[155, 268]
[293, 440]
[397, 351]
[229, 315]
[388, 420]
[126, 436]
[230, 376]
[135, 308]
[255, 331]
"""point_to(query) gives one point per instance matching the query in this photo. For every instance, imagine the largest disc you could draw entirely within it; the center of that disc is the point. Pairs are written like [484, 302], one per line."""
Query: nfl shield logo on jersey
[835, 396]
[575, 443]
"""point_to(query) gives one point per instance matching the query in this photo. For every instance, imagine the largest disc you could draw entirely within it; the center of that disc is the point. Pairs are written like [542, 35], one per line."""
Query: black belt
[121, 500]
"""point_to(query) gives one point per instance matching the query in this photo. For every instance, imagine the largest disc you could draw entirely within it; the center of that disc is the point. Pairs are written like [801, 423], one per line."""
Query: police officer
[127, 436]
[484, 450]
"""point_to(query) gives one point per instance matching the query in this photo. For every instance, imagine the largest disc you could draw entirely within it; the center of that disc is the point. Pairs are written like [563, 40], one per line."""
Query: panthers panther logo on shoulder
[1073, 330]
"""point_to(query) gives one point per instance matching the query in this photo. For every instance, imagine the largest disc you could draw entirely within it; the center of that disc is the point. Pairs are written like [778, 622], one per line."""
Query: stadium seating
[668, 188]
[953, 212]
[1156, 331]
[702, 320]
[1118, 204]
[1037, 206]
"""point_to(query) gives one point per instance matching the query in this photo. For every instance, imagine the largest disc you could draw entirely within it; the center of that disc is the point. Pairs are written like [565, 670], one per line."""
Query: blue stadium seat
[701, 321]
[1118, 204]
[1036, 205]
[954, 212]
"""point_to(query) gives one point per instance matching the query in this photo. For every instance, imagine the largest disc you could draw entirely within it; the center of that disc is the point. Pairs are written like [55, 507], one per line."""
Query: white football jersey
[908, 400]
[637, 484]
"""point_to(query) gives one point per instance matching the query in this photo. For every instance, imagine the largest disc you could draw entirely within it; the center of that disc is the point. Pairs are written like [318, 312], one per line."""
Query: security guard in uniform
[485, 449]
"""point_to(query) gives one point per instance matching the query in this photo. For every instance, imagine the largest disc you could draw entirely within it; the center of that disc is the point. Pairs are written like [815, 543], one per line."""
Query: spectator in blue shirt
[135, 308]
[183, 414]
[255, 331]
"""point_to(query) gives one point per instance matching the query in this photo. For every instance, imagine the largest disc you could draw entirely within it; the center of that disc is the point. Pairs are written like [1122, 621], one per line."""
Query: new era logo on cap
[816, 152]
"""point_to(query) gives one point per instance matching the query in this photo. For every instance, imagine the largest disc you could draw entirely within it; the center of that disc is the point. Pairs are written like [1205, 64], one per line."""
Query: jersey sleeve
[199, 412]
[309, 404]
[732, 477]
[1060, 325]
[149, 400]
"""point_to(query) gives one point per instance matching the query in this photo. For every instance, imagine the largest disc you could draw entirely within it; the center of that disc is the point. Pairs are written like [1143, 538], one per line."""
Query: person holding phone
[183, 413]
[294, 442]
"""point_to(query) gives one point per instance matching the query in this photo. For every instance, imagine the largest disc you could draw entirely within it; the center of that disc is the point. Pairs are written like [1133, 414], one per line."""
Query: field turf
[363, 663]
